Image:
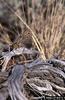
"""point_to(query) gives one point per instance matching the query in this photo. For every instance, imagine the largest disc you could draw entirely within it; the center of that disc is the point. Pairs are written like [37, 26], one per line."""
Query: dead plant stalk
[35, 39]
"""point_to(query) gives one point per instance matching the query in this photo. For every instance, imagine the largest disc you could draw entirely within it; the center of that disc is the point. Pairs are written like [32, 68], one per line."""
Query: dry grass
[50, 28]
[46, 23]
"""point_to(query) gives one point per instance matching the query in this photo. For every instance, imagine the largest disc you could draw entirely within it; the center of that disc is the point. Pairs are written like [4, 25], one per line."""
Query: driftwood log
[14, 83]
[31, 81]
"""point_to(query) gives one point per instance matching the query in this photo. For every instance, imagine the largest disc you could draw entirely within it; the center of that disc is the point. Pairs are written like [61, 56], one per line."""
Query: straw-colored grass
[50, 30]
[47, 27]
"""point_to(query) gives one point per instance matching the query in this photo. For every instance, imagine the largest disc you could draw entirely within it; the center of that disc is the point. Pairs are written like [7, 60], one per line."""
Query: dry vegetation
[45, 18]
[31, 30]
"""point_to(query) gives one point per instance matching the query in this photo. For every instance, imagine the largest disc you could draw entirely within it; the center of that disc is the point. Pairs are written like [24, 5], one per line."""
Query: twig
[14, 52]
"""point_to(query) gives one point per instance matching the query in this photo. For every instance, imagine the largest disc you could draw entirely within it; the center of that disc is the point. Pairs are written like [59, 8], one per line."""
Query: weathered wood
[19, 51]
[41, 79]
[14, 82]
